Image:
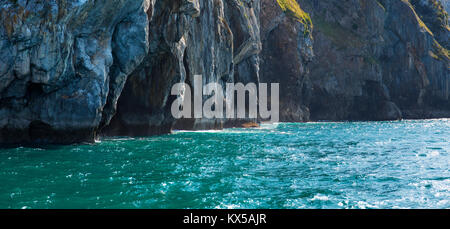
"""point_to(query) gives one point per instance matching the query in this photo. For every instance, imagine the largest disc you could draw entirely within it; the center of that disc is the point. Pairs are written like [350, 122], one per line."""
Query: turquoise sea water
[311, 165]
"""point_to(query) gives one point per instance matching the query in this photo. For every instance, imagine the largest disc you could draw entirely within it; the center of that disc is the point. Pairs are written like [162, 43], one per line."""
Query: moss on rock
[293, 10]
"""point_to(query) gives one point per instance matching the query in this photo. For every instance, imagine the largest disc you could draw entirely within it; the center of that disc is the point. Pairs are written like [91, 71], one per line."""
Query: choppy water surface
[313, 165]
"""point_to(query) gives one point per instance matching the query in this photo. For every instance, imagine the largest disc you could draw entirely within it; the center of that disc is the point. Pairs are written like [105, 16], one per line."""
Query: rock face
[244, 21]
[435, 17]
[144, 106]
[73, 69]
[287, 49]
[375, 60]
[446, 5]
[62, 62]
[218, 40]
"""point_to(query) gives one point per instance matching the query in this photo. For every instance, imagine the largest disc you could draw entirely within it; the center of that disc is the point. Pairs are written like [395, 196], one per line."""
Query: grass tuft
[293, 10]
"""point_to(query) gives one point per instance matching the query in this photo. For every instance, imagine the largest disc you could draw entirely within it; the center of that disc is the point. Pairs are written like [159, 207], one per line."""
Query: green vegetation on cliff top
[292, 9]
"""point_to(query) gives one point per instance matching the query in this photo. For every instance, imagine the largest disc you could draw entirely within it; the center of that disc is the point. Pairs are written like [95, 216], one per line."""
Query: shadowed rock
[61, 62]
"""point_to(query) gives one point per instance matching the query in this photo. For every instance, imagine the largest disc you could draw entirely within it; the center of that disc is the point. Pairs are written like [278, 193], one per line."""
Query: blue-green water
[313, 165]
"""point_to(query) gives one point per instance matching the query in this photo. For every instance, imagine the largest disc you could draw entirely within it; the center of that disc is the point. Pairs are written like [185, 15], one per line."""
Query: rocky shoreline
[73, 70]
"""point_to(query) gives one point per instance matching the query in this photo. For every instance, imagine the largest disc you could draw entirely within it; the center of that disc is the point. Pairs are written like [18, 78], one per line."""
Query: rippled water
[313, 165]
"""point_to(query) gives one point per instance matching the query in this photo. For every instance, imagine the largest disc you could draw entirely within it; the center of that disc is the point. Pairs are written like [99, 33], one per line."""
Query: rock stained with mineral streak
[71, 70]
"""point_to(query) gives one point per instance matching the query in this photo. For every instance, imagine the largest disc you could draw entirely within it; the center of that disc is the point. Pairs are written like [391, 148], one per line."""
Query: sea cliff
[72, 70]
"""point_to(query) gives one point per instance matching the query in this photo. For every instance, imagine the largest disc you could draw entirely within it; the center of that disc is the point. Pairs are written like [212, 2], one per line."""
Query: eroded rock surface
[62, 62]
[219, 40]
[287, 50]
[71, 69]
[375, 60]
